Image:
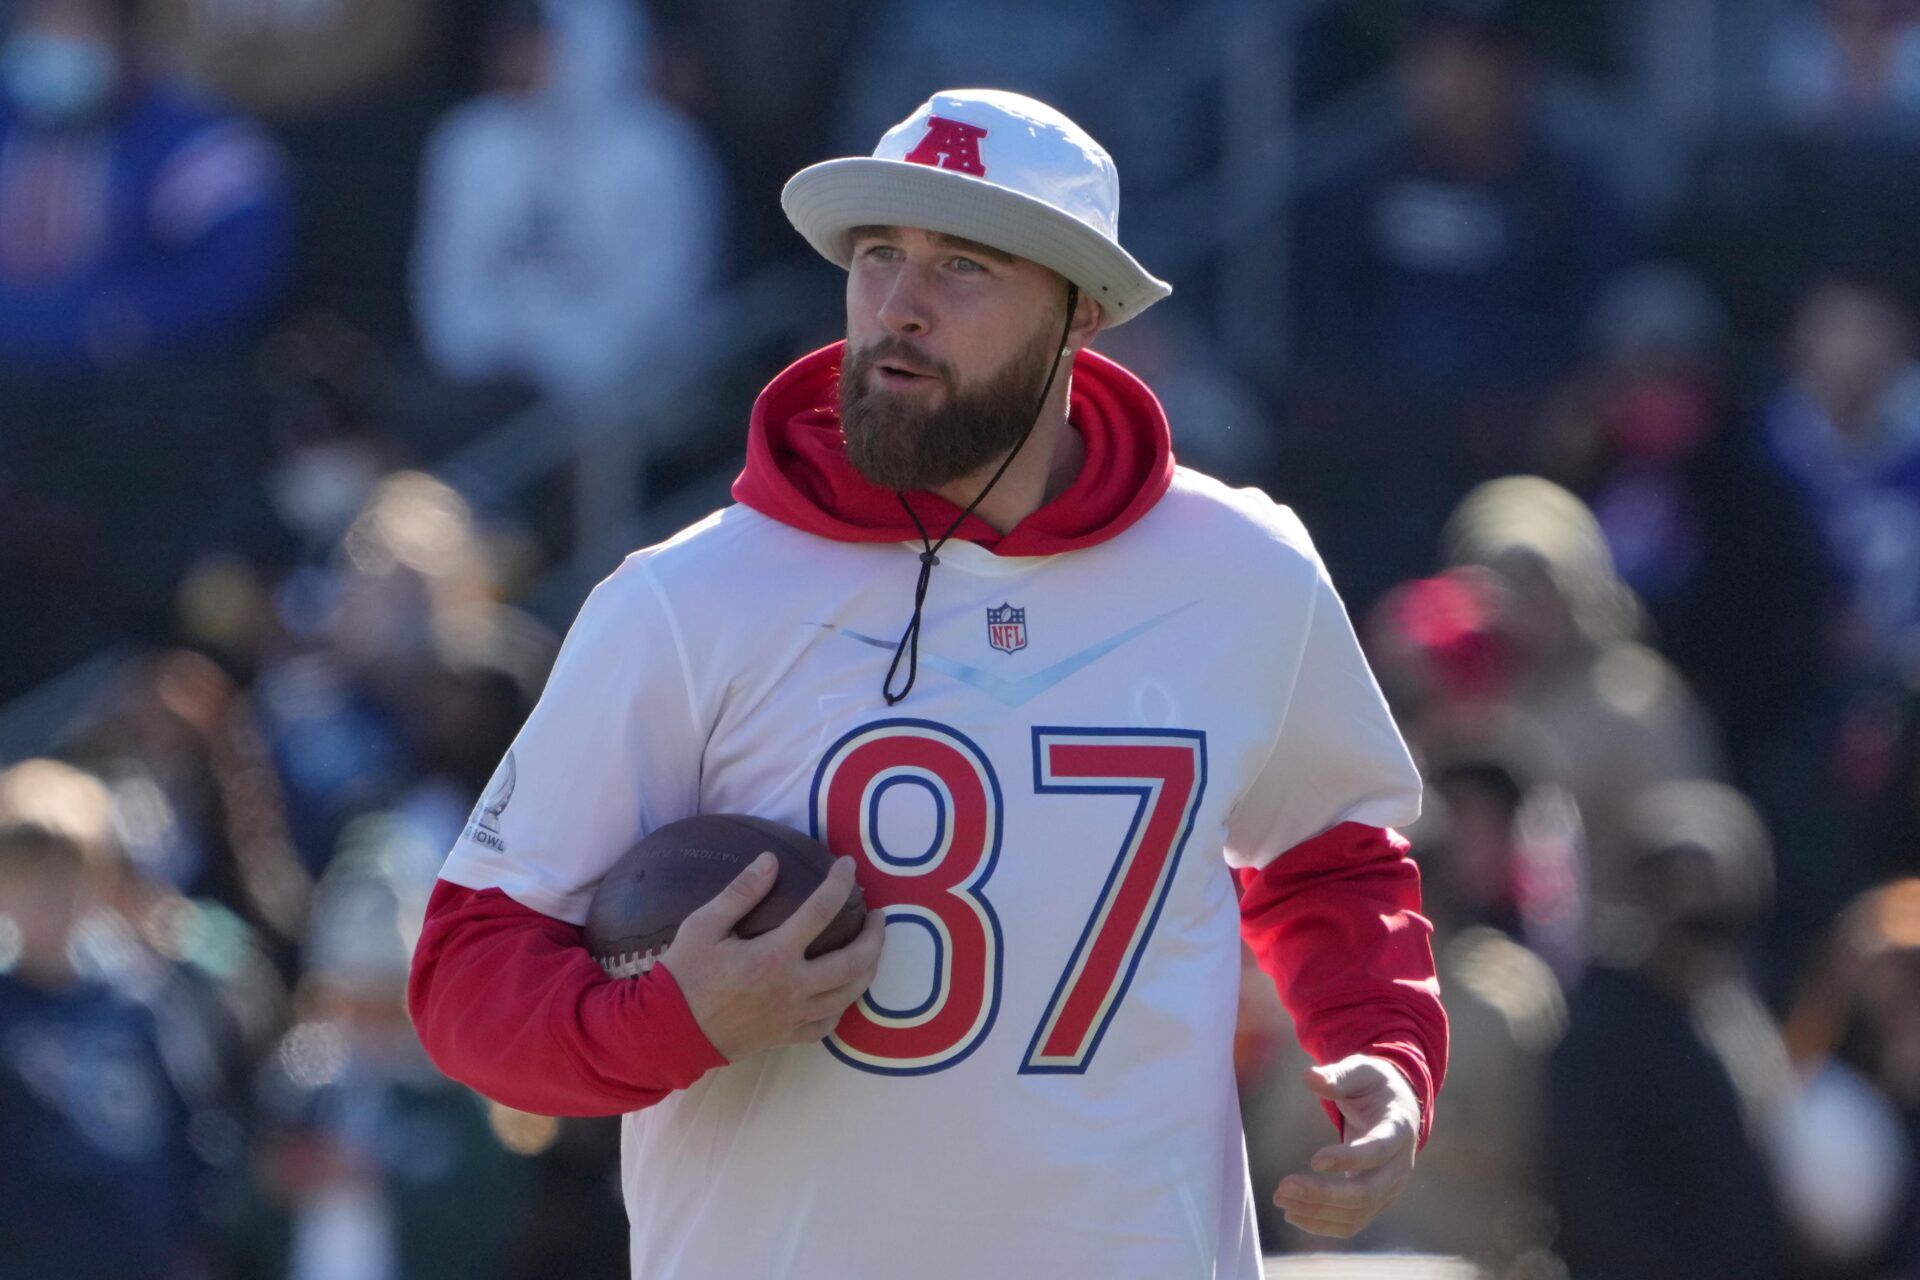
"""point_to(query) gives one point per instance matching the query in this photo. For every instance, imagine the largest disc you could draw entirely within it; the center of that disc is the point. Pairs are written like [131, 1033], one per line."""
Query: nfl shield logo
[1007, 628]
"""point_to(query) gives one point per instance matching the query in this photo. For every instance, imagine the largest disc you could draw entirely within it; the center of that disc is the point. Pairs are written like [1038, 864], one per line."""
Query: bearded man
[1121, 723]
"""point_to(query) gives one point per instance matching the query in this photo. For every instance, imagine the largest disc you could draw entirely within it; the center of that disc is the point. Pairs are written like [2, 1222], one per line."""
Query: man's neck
[1046, 465]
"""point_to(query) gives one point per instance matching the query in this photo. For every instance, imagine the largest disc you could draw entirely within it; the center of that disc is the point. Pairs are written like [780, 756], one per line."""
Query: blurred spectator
[398, 665]
[1656, 431]
[1447, 658]
[1460, 261]
[100, 1178]
[343, 412]
[1828, 178]
[332, 445]
[1490, 855]
[135, 222]
[361, 634]
[1478, 1191]
[764, 81]
[1620, 716]
[375, 1167]
[1664, 1092]
[287, 58]
[570, 217]
[1515, 848]
[351, 89]
[1437, 285]
[1652, 430]
[1851, 1155]
[198, 806]
[1849, 65]
[1345, 44]
[1844, 430]
[1512, 848]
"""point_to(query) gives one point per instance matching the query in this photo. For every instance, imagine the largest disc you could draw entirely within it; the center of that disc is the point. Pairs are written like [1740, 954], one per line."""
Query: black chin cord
[929, 557]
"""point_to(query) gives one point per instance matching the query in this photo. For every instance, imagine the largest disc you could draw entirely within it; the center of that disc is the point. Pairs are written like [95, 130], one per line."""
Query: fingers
[1370, 1150]
[1347, 1078]
[854, 964]
[717, 917]
[831, 1004]
[1324, 1226]
[819, 1029]
[1332, 1205]
[1325, 1195]
[818, 911]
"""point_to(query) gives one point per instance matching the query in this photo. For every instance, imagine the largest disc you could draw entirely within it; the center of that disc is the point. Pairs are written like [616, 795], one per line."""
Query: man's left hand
[1353, 1181]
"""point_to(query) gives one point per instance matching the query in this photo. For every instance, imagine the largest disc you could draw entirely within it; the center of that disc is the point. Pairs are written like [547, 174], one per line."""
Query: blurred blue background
[345, 343]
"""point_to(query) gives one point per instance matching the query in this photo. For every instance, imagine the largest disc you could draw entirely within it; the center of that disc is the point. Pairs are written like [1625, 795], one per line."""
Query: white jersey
[1040, 1081]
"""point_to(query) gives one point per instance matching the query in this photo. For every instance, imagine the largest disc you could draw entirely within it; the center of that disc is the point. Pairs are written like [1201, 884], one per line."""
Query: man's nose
[905, 308]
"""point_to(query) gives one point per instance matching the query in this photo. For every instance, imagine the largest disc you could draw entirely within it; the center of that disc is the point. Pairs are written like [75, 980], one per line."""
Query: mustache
[896, 348]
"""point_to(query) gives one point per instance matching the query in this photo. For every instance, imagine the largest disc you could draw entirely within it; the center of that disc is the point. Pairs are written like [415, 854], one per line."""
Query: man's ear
[1087, 320]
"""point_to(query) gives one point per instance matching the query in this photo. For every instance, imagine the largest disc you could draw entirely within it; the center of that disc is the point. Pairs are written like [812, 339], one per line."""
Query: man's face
[948, 346]
[1462, 89]
[1848, 347]
[520, 61]
[62, 59]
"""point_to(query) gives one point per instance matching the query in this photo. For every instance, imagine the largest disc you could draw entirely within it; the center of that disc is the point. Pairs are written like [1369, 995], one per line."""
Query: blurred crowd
[1619, 476]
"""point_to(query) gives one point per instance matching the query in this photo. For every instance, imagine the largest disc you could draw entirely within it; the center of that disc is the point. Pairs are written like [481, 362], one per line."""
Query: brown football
[680, 867]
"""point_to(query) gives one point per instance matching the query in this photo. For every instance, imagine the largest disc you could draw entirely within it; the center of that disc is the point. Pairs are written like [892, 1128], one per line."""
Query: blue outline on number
[972, 891]
[933, 991]
[1027, 1065]
[939, 818]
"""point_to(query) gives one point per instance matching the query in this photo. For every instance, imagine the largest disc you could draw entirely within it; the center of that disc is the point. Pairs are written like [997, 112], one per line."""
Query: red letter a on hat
[951, 144]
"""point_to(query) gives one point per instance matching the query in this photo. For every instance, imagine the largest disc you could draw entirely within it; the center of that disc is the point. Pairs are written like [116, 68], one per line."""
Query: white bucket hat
[996, 167]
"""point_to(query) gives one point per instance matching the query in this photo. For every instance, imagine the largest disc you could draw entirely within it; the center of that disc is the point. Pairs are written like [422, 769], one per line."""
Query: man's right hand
[749, 995]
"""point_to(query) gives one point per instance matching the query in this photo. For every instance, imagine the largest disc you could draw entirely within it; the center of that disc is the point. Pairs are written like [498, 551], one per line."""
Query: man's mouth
[894, 374]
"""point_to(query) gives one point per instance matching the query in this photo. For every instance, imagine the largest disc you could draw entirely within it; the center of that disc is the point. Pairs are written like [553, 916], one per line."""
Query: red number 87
[940, 888]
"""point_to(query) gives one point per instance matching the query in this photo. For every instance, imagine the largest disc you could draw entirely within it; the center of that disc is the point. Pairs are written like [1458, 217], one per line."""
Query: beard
[901, 445]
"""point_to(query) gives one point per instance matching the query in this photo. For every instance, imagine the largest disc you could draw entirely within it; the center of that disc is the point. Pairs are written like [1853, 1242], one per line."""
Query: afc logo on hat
[1007, 628]
[950, 144]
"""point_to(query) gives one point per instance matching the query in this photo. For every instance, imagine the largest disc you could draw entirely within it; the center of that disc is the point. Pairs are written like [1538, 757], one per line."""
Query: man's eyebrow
[960, 243]
[974, 247]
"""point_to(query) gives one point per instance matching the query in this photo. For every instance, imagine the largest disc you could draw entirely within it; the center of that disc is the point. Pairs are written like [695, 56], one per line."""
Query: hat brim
[826, 201]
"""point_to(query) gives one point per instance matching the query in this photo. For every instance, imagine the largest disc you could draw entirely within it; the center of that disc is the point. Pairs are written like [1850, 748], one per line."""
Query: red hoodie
[506, 999]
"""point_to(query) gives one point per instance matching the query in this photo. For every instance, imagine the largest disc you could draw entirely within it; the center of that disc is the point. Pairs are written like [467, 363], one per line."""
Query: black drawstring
[929, 557]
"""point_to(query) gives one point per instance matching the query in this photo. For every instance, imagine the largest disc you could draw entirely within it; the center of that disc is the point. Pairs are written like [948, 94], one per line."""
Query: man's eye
[967, 265]
[881, 252]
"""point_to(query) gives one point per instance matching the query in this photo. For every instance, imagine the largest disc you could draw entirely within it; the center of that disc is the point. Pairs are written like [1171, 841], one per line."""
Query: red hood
[797, 469]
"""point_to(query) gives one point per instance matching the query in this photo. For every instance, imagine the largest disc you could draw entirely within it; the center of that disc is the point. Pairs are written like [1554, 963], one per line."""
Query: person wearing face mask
[136, 223]
[1666, 1090]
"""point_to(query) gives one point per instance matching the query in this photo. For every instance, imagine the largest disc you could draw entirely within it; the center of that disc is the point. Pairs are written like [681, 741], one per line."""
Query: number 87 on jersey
[943, 888]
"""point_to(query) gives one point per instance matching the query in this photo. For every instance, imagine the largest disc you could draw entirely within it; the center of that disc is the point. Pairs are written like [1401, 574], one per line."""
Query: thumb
[1338, 1080]
[716, 917]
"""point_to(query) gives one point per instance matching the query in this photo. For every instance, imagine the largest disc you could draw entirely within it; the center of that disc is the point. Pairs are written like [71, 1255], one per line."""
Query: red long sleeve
[507, 1001]
[1335, 922]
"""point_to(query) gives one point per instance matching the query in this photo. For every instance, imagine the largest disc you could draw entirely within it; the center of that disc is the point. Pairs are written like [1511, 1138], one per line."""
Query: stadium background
[305, 465]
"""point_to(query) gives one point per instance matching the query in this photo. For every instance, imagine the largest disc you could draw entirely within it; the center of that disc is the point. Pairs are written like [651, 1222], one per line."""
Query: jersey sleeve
[1336, 924]
[1330, 903]
[507, 1001]
[1338, 756]
[503, 995]
[610, 752]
